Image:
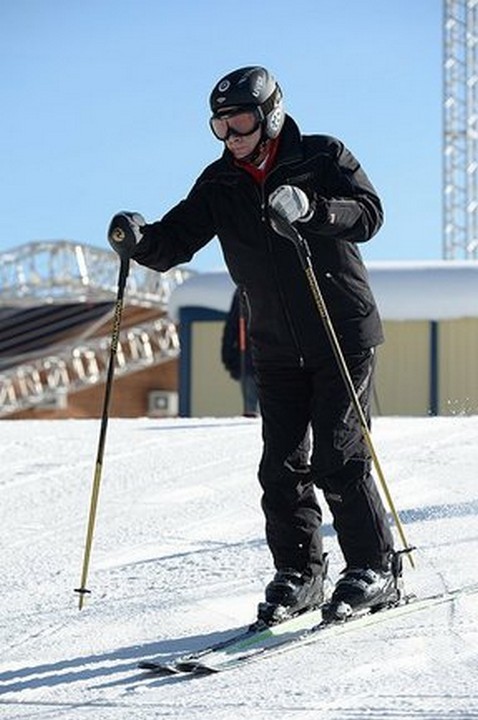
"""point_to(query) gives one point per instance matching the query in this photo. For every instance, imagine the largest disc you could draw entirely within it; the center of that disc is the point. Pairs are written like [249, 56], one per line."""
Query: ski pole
[123, 275]
[291, 233]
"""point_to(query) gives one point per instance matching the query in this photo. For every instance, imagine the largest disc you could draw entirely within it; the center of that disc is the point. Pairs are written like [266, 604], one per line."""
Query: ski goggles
[235, 122]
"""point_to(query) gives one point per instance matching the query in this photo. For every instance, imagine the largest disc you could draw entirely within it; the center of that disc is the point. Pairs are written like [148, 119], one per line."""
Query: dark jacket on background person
[236, 352]
[230, 342]
[226, 201]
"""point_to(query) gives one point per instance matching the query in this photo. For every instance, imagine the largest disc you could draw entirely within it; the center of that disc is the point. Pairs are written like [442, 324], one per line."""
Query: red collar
[259, 173]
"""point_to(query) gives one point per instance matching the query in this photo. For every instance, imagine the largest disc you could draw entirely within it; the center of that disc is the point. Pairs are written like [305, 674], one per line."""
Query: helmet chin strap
[255, 154]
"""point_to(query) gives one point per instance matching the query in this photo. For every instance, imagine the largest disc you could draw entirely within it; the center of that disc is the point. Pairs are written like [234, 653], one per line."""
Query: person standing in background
[236, 352]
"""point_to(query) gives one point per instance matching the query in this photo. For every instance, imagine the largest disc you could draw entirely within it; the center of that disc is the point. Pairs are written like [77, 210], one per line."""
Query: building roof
[406, 290]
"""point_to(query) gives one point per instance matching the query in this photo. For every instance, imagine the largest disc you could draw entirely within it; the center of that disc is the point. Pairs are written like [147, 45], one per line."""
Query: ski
[253, 635]
[252, 644]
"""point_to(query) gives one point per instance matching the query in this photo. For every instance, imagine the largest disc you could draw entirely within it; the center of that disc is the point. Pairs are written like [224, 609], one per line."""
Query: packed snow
[179, 561]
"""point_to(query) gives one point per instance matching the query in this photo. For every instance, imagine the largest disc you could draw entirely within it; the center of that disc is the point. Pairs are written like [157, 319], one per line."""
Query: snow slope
[179, 560]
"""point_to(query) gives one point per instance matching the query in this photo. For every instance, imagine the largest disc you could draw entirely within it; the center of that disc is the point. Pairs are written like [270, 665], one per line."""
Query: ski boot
[366, 589]
[291, 593]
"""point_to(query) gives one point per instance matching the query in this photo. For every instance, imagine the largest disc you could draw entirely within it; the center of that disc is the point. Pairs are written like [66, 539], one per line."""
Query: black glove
[125, 232]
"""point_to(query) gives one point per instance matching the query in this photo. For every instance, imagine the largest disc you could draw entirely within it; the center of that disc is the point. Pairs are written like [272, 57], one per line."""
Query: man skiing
[269, 169]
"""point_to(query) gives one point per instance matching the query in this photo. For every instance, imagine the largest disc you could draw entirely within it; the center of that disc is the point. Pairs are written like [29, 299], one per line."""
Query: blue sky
[105, 105]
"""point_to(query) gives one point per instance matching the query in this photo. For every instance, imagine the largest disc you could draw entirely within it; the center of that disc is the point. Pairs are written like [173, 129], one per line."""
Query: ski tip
[178, 668]
[198, 669]
[158, 668]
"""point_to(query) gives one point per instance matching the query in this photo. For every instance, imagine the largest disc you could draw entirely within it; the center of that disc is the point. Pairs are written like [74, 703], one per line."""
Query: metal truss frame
[66, 272]
[460, 132]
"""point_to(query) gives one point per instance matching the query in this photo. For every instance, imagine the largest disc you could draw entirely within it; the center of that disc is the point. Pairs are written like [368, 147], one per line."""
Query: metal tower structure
[460, 142]
[64, 271]
[55, 272]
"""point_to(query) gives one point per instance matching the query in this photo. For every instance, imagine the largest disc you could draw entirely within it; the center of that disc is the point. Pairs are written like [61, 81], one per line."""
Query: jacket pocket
[350, 293]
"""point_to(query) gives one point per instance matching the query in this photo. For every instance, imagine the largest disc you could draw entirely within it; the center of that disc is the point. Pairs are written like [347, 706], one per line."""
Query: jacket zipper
[293, 333]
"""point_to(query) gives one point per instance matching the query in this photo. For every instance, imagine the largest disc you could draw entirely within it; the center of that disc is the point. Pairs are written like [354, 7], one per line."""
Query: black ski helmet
[252, 86]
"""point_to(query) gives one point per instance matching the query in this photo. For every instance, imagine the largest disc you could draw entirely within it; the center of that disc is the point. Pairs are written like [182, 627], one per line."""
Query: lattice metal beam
[84, 365]
[61, 270]
[64, 271]
[460, 142]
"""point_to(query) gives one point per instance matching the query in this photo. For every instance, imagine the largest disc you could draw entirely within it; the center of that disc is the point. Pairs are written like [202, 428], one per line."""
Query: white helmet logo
[224, 85]
[259, 84]
[275, 119]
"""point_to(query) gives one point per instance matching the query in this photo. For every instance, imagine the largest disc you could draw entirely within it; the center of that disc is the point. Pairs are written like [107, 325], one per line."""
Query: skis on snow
[244, 645]
[254, 643]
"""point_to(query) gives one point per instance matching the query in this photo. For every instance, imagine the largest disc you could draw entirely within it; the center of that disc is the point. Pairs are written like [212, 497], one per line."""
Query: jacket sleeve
[348, 206]
[180, 233]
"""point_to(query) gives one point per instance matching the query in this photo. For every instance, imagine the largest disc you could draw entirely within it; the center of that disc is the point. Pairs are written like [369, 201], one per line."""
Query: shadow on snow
[105, 665]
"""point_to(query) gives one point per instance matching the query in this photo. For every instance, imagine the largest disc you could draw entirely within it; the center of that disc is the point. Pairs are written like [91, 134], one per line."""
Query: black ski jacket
[285, 326]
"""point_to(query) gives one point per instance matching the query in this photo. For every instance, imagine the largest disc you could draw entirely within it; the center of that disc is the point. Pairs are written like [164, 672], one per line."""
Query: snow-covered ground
[179, 560]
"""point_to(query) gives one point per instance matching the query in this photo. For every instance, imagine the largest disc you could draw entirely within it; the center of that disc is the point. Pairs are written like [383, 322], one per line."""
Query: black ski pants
[299, 402]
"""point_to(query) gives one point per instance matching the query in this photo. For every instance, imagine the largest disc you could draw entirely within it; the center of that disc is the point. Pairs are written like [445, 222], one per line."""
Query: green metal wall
[423, 368]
